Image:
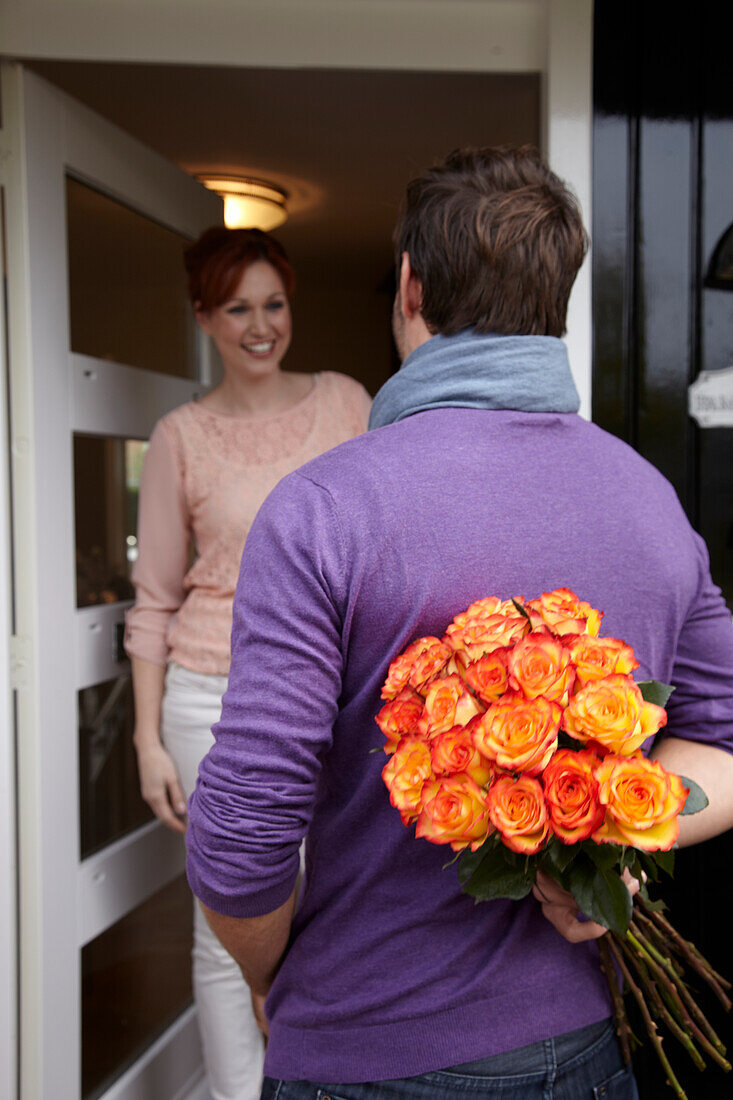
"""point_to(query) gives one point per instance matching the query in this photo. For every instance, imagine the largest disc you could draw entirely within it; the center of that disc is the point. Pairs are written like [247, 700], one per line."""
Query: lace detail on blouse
[204, 479]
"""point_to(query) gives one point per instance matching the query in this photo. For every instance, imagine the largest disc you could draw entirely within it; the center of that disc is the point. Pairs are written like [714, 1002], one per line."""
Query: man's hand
[562, 911]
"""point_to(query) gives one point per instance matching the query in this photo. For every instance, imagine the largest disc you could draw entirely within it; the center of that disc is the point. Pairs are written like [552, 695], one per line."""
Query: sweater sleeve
[256, 788]
[701, 706]
[164, 538]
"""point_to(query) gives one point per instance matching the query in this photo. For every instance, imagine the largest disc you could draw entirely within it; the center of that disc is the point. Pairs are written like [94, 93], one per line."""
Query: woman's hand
[160, 785]
[562, 911]
[258, 1007]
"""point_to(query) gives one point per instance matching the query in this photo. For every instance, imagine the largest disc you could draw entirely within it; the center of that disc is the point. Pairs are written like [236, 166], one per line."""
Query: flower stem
[690, 953]
[682, 999]
[622, 1021]
[650, 1025]
[664, 1012]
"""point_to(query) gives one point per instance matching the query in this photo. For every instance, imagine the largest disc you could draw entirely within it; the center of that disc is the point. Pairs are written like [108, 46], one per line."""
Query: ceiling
[342, 142]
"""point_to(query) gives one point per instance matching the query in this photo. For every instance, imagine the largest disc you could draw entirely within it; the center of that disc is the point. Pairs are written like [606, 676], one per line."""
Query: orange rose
[642, 802]
[595, 658]
[483, 635]
[447, 704]
[404, 775]
[572, 795]
[519, 734]
[399, 717]
[613, 713]
[483, 609]
[517, 809]
[454, 751]
[540, 665]
[488, 676]
[565, 613]
[454, 812]
[421, 660]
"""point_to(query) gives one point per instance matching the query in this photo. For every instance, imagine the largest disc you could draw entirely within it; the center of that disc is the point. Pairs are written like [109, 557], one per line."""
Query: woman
[209, 466]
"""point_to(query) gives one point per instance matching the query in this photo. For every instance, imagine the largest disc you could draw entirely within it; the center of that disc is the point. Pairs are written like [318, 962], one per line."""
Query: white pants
[232, 1042]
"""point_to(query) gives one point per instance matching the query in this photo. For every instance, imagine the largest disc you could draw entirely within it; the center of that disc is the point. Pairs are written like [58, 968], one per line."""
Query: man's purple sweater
[391, 970]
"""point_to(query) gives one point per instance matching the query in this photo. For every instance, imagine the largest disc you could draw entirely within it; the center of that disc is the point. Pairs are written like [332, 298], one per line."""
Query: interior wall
[342, 329]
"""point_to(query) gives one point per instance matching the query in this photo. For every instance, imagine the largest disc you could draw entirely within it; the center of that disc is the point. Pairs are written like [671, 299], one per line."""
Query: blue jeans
[582, 1065]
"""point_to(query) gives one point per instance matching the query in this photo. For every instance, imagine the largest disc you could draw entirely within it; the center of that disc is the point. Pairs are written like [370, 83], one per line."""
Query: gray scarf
[468, 370]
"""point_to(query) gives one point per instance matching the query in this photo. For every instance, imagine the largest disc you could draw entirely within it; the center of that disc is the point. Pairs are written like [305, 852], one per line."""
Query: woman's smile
[254, 325]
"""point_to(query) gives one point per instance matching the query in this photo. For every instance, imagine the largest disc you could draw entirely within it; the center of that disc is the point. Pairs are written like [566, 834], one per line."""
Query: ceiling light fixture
[249, 203]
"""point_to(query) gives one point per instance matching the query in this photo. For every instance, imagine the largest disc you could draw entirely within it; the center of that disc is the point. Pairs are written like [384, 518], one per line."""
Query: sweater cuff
[253, 904]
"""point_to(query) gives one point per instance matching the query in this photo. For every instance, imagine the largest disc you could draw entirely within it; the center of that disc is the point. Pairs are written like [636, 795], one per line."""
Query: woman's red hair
[217, 260]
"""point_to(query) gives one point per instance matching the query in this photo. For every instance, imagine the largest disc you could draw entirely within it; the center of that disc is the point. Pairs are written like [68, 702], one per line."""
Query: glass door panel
[127, 288]
[106, 485]
[110, 803]
[136, 979]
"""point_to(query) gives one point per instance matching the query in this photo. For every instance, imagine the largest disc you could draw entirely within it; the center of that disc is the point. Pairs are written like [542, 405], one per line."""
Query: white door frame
[64, 902]
[8, 869]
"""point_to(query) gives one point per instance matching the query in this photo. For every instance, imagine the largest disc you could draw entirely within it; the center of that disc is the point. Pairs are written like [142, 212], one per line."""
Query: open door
[100, 344]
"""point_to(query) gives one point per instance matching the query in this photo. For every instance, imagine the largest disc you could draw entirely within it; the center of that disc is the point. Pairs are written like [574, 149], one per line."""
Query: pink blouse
[204, 478]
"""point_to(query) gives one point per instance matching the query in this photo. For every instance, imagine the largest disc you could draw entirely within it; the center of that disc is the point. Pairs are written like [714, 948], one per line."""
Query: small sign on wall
[710, 398]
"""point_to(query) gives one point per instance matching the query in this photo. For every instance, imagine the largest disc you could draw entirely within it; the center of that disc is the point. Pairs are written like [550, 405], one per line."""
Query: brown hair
[496, 240]
[217, 260]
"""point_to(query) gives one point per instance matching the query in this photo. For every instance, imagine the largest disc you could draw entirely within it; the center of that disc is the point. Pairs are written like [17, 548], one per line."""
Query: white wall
[480, 35]
[568, 118]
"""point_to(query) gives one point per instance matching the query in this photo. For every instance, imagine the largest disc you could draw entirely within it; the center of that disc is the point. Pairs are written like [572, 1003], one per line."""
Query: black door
[663, 313]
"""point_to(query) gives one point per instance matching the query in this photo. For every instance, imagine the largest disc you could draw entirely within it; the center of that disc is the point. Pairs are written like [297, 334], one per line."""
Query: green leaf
[603, 856]
[664, 860]
[654, 692]
[558, 856]
[379, 748]
[499, 873]
[601, 895]
[656, 906]
[696, 800]
[486, 884]
[470, 861]
[648, 864]
[522, 611]
[632, 861]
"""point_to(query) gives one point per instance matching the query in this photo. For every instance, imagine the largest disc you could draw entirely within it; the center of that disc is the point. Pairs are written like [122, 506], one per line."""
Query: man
[479, 479]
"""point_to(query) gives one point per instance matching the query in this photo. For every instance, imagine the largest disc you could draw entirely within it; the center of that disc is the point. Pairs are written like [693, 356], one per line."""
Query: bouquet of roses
[516, 739]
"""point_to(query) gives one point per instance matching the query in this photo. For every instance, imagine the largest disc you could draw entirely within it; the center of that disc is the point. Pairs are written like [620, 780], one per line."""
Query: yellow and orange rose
[448, 703]
[484, 609]
[479, 636]
[565, 613]
[613, 713]
[539, 664]
[596, 658]
[519, 734]
[404, 775]
[454, 812]
[488, 677]
[399, 717]
[642, 802]
[421, 660]
[454, 751]
[572, 795]
[517, 810]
